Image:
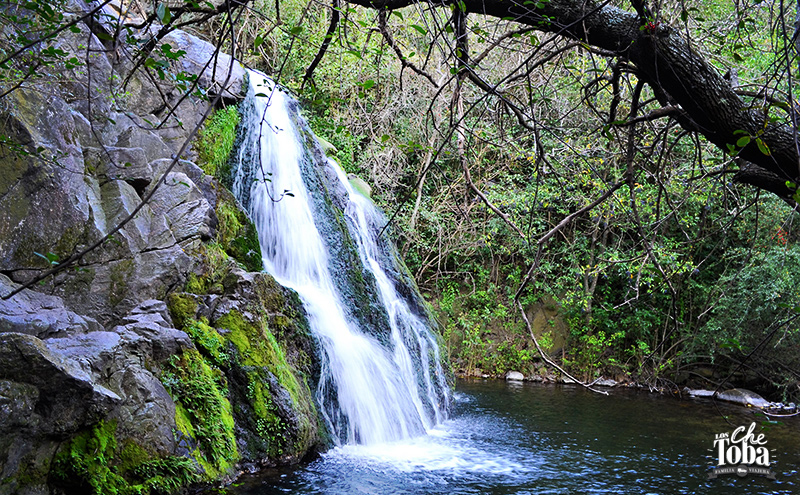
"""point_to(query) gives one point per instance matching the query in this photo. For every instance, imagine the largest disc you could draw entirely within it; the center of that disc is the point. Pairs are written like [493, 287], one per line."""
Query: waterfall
[381, 375]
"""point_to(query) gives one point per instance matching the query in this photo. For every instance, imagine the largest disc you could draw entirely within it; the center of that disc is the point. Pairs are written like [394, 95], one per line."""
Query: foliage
[634, 281]
[91, 462]
[202, 392]
[216, 140]
[208, 340]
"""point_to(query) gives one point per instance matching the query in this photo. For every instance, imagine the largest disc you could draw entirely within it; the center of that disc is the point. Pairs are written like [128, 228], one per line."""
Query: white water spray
[374, 387]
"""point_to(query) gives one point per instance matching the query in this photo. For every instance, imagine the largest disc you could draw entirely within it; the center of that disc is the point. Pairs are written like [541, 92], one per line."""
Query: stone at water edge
[698, 392]
[606, 382]
[515, 376]
[744, 397]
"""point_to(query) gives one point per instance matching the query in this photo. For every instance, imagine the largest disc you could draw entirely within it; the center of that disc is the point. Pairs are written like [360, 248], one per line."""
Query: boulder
[218, 72]
[360, 185]
[186, 209]
[515, 376]
[40, 315]
[699, 393]
[606, 382]
[744, 397]
[67, 397]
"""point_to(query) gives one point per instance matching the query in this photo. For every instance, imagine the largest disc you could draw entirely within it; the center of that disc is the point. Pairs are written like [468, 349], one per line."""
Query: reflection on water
[513, 438]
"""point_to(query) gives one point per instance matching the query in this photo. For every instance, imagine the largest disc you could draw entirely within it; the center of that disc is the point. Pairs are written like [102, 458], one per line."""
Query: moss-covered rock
[256, 338]
[237, 234]
[95, 462]
[201, 390]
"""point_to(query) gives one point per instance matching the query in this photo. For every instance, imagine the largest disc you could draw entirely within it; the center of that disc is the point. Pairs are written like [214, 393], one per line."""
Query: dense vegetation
[528, 168]
[680, 275]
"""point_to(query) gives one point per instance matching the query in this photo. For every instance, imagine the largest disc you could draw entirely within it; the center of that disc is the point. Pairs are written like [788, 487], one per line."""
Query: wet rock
[699, 393]
[606, 382]
[744, 397]
[360, 185]
[515, 376]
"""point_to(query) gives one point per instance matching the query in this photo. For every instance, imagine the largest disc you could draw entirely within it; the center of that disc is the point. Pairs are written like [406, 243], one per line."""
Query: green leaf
[259, 40]
[296, 30]
[51, 258]
[163, 14]
[762, 147]
[743, 141]
[368, 84]
[420, 29]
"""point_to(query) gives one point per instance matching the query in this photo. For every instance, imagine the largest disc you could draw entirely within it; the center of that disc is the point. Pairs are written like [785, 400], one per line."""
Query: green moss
[84, 462]
[268, 424]
[201, 390]
[183, 422]
[258, 347]
[237, 234]
[216, 266]
[132, 455]
[182, 307]
[195, 284]
[261, 354]
[270, 295]
[92, 463]
[208, 340]
[215, 141]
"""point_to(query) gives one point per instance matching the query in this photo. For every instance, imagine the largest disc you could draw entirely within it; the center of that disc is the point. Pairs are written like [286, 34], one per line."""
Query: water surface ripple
[510, 438]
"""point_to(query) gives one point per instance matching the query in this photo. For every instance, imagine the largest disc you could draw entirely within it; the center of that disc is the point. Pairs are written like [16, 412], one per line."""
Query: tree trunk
[678, 73]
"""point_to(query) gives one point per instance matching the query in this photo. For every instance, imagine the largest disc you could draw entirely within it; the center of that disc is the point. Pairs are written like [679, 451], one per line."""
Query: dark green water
[509, 438]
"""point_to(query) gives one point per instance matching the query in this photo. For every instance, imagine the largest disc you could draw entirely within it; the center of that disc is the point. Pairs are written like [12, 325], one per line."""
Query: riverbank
[734, 395]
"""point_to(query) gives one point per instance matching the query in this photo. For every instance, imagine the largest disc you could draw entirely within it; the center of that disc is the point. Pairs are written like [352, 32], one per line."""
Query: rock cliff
[163, 357]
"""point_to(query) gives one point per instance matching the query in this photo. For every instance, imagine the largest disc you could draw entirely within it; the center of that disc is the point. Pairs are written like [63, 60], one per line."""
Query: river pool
[523, 438]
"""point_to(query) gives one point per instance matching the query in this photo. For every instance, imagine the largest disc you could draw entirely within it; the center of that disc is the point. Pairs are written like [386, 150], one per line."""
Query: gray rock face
[218, 72]
[186, 209]
[68, 398]
[114, 163]
[91, 342]
[52, 388]
[40, 315]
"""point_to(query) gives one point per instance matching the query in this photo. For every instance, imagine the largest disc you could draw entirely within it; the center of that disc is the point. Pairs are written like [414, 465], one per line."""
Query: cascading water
[381, 377]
